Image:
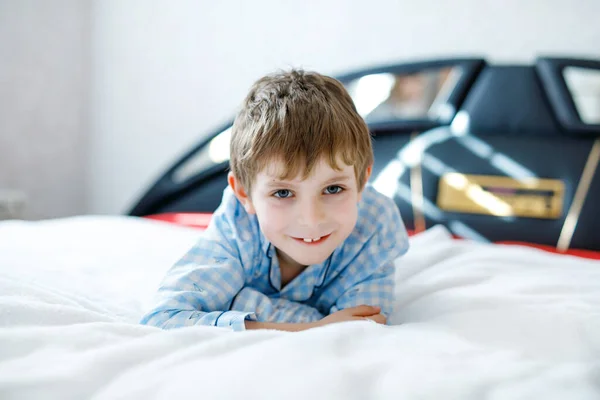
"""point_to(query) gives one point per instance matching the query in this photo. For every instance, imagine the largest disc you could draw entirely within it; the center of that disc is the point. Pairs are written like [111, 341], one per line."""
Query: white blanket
[473, 321]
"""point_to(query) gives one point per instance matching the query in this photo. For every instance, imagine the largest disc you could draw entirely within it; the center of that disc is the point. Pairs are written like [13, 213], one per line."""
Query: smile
[312, 240]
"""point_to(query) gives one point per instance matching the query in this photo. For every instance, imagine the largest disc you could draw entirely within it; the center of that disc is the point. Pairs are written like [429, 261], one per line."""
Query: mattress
[472, 321]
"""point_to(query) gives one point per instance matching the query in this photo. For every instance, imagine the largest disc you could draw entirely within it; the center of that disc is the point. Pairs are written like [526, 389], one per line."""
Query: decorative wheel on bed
[493, 152]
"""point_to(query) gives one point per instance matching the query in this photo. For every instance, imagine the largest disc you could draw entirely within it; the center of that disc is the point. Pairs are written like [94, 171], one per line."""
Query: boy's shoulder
[376, 206]
[379, 216]
[231, 219]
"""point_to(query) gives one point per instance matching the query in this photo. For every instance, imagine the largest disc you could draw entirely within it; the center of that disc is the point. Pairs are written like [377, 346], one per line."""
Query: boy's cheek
[270, 219]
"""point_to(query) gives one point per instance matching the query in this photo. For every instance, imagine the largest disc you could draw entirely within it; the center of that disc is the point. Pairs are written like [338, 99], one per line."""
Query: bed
[472, 321]
[498, 296]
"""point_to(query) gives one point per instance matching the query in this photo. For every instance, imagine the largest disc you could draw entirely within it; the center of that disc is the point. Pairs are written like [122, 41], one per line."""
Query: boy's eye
[282, 193]
[333, 189]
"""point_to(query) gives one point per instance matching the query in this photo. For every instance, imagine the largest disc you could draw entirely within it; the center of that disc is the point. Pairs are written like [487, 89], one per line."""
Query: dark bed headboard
[514, 162]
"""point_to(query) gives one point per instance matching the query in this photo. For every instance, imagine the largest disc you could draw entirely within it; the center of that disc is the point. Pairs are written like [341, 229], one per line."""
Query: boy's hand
[355, 314]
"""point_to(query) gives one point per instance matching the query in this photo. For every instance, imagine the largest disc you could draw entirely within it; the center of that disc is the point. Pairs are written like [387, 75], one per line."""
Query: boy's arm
[377, 291]
[206, 280]
[371, 274]
[281, 326]
[183, 298]
[359, 313]
[274, 310]
[298, 317]
[199, 289]
[196, 292]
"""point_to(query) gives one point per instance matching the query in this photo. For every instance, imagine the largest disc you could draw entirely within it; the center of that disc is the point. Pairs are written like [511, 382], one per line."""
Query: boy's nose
[311, 213]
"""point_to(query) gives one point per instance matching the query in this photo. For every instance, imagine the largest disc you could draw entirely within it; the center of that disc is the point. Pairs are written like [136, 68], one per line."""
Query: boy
[299, 240]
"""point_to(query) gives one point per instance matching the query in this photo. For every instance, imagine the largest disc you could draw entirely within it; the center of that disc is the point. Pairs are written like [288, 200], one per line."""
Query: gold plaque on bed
[501, 196]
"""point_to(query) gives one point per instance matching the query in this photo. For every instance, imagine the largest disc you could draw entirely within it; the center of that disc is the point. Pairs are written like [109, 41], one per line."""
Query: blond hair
[298, 117]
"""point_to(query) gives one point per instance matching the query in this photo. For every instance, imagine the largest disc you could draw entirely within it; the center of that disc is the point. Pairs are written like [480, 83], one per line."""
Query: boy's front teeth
[308, 240]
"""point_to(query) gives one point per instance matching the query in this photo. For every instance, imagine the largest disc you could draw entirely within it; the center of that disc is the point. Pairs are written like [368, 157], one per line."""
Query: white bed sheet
[473, 321]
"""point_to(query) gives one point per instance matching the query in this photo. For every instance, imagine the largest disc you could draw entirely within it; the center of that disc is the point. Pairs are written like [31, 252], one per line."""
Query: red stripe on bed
[194, 220]
[594, 255]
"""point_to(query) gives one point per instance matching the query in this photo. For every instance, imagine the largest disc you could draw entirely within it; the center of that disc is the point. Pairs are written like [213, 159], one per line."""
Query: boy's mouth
[312, 241]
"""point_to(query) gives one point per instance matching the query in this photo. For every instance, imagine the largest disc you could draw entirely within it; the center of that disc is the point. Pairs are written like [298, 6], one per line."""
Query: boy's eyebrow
[339, 178]
[335, 179]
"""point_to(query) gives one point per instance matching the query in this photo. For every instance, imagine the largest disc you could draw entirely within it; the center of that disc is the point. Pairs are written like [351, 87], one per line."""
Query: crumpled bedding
[472, 321]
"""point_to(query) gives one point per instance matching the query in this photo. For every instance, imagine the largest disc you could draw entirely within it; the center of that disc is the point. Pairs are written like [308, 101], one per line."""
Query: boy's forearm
[274, 309]
[288, 327]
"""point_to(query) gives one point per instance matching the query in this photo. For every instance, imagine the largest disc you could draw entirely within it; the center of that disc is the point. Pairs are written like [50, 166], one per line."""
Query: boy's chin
[305, 259]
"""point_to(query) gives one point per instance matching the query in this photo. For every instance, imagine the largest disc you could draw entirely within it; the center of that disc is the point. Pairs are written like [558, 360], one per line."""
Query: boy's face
[304, 219]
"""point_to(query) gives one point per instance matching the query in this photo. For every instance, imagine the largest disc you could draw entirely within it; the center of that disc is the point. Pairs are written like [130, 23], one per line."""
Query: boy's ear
[368, 172]
[240, 193]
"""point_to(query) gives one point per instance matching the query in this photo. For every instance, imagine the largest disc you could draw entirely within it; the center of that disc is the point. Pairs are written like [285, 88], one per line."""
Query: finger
[364, 311]
[379, 318]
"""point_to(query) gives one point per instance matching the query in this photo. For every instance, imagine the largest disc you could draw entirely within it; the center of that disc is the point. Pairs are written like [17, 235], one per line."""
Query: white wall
[44, 81]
